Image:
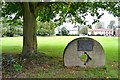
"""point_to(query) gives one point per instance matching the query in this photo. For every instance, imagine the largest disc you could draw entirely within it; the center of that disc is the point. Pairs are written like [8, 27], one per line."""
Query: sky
[106, 18]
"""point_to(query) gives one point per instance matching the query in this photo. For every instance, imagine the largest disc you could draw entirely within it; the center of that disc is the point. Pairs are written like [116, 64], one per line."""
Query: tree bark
[29, 31]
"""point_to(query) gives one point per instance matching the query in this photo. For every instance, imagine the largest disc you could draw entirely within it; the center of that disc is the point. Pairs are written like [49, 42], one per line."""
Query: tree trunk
[29, 31]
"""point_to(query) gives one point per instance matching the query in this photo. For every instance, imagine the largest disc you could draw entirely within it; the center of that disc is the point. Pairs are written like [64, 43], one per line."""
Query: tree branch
[40, 5]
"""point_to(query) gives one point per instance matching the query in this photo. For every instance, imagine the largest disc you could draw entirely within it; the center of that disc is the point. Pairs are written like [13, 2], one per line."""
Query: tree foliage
[84, 30]
[100, 25]
[45, 28]
[64, 31]
[48, 10]
[111, 24]
[9, 29]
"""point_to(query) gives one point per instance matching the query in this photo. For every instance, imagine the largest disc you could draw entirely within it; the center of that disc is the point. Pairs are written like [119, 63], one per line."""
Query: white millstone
[72, 55]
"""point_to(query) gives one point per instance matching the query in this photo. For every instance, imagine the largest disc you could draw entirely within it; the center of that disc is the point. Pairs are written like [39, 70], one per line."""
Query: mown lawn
[54, 47]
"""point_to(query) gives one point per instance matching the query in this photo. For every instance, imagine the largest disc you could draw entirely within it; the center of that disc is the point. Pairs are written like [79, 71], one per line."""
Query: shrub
[9, 64]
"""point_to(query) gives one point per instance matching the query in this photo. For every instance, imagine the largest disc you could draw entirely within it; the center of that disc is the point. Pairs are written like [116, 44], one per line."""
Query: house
[103, 32]
[72, 30]
[117, 32]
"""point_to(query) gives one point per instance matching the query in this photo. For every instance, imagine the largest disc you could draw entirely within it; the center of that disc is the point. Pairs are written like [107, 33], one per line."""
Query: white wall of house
[73, 32]
[100, 31]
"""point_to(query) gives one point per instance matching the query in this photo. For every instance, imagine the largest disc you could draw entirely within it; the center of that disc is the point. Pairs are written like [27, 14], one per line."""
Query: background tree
[7, 29]
[84, 30]
[45, 28]
[64, 31]
[19, 30]
[111, 24]
[4, 28]
[11, 30]
[99, 25]
[46, 11]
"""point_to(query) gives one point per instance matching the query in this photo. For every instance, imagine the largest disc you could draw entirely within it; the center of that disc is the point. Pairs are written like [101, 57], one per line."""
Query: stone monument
[95, 56]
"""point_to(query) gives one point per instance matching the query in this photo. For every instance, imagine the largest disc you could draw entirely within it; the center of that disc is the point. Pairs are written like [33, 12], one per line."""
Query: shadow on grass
[44, 66]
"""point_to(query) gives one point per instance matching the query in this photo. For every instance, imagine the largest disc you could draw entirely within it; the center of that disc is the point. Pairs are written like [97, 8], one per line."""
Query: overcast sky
[106, 18]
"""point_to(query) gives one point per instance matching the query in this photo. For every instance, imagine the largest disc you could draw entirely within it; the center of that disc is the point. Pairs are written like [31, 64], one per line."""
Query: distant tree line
[63, 32]
[80, 29]
[43, 29]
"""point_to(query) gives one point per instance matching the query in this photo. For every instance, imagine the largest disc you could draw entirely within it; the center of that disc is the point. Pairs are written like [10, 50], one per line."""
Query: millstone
[95, 56]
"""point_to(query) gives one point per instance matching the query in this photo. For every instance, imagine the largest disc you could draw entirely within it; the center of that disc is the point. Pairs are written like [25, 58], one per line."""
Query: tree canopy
[49, 10]
[111, 24]
[45, 28]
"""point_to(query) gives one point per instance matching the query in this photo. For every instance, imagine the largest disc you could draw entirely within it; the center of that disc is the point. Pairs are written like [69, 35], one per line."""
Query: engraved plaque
[85, 45]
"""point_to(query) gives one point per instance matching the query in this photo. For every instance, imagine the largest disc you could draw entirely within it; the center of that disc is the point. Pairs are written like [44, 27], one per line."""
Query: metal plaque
[85, 45]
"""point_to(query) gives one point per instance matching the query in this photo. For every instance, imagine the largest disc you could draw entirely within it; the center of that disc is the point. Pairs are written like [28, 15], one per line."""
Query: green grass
[54, 46]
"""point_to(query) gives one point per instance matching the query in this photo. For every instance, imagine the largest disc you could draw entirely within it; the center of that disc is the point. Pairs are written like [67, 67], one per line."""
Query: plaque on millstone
[95, 56]
[85, 45]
